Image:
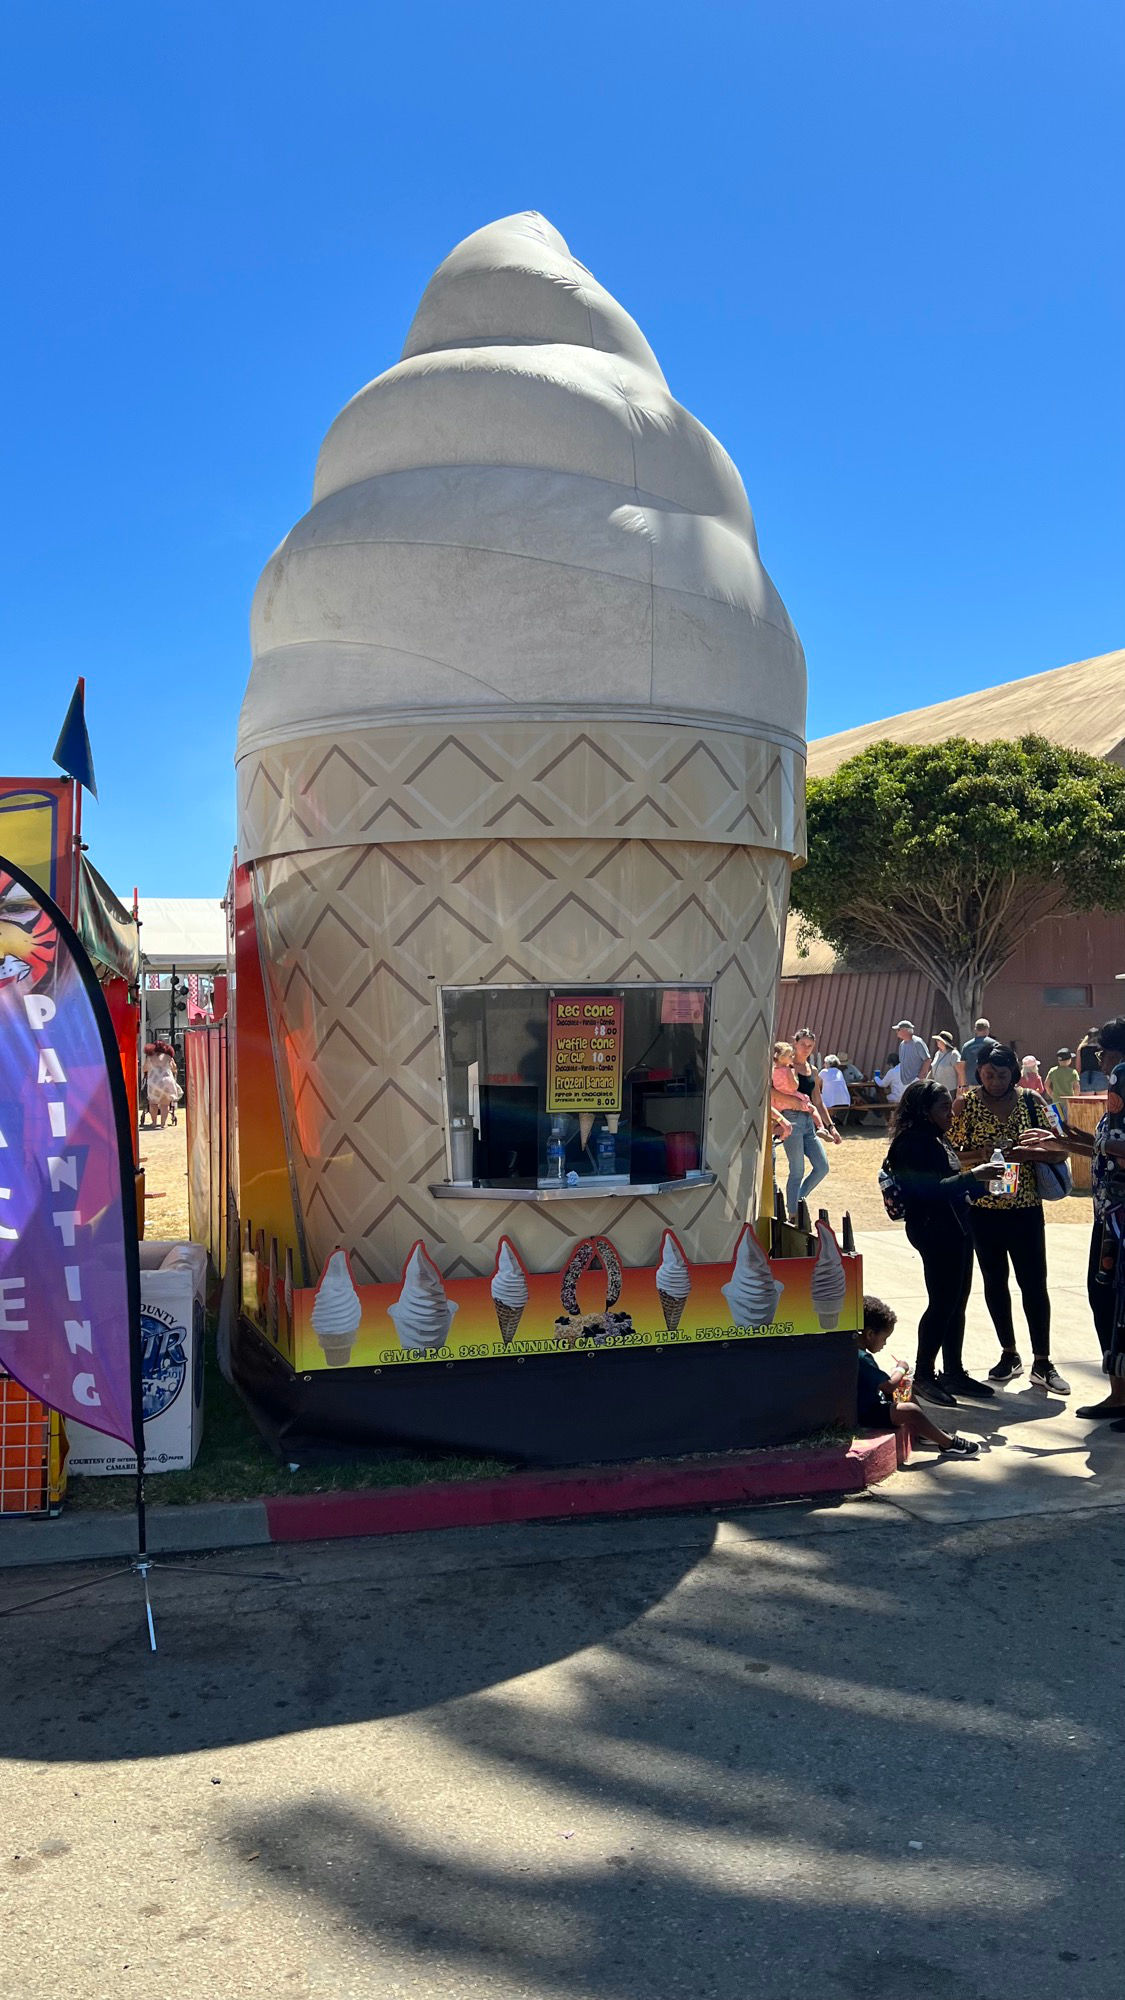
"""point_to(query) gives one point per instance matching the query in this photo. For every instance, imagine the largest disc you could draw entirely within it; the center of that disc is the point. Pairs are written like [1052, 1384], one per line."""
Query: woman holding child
[795, 1094]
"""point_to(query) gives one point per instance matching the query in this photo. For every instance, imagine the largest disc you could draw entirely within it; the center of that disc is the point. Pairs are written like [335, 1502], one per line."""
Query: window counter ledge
[588, 1191]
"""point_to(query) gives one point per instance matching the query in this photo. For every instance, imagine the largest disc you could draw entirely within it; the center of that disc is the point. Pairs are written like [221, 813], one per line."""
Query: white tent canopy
[188, 933]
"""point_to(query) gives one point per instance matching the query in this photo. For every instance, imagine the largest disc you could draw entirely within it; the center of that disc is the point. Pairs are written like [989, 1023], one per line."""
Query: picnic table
[869, 1099]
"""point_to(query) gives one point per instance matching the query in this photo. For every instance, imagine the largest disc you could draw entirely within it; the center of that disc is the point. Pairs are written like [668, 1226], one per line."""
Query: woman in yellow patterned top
[993, 1114]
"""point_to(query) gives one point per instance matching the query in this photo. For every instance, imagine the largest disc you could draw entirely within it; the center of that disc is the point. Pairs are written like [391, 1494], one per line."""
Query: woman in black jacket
[934, 1194]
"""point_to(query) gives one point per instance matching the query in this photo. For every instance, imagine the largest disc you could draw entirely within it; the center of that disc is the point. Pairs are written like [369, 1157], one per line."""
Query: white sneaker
[1044, 1375]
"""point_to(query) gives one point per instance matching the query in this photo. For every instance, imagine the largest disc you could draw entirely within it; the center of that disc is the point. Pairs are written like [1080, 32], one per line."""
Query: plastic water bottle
[998, 1163]
[876, 1078]
[606, 1152]
[556, 1155]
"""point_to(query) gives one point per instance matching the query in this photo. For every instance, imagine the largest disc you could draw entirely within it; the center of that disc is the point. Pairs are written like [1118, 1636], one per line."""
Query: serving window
[563, 1089]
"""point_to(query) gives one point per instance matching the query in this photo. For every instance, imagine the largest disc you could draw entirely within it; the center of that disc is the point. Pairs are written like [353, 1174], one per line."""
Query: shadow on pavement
[863, 1763]
[816, 1767]
[240, 1659]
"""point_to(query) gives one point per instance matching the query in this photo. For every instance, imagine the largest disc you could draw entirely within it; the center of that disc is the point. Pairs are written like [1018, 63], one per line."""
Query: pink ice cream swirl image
[509, 1290]
[829, 1279]
[337, 1311]
[422, 1314]
[752, 1292]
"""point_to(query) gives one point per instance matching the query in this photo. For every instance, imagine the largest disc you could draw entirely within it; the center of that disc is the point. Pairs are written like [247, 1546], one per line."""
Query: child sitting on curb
[876, 1405]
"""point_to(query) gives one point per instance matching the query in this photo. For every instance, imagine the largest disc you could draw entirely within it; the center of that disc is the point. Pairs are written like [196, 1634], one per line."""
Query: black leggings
[947, 1263]
[1103, 1298]
[1018, 1234]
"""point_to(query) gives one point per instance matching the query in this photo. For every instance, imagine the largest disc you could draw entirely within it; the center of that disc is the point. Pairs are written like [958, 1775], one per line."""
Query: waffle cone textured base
[356, 940]
[508, 1319]
[673, 1310]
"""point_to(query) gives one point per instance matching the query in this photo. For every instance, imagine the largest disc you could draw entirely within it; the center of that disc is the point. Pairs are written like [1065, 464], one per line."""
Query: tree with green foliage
[948, 854]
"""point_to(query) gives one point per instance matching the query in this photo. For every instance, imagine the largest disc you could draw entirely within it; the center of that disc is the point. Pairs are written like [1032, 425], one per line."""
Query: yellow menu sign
[584, 1048]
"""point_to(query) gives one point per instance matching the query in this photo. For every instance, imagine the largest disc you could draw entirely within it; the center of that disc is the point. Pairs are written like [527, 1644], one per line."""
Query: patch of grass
[235, 1463]
[831, 1438]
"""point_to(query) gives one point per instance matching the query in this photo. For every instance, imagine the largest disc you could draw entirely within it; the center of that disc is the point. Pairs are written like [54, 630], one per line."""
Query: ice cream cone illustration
[752, 1292]
[422, 1314]
[673, 1281]
[337, 1311]
[509, 1290]
[829, 1279]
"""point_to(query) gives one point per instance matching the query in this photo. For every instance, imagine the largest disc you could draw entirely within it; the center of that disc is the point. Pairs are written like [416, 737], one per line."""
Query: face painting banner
[69, 1280]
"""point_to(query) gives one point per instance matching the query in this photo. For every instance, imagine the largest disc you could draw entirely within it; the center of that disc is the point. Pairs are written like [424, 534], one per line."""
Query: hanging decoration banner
[584, 1050]
[69, 1281]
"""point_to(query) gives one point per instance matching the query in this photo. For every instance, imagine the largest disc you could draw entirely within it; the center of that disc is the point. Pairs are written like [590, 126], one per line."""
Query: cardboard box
[173, 1280]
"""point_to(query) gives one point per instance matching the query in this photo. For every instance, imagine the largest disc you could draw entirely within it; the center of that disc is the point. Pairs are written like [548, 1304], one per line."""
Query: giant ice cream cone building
[525, 710]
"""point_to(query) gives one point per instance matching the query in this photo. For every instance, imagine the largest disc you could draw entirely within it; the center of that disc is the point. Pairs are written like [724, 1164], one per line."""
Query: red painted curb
[573, 1493]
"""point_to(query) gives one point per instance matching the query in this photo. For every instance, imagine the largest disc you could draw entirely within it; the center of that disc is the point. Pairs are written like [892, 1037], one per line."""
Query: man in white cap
[913, 1055]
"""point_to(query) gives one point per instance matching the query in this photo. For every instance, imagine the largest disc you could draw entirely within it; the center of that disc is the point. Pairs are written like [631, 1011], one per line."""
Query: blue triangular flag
[72, 751]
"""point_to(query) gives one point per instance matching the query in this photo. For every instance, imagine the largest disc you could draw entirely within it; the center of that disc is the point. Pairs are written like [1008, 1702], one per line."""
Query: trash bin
[173, 1282]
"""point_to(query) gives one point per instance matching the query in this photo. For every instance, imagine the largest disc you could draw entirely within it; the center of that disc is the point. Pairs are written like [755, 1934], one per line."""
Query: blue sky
[877, 248]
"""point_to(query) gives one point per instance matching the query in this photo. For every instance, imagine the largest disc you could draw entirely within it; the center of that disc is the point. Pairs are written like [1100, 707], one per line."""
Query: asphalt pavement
[870, 1751]
[839, 1751]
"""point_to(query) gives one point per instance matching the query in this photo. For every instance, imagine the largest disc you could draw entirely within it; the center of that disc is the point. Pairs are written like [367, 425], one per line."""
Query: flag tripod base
[140, 1566]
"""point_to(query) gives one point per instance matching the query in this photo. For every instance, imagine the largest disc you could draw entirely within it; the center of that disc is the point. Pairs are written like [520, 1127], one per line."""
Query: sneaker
[960, 1446]
[1045, 1376]
[930, 1390]
[964, 1385]
[1008, 1366]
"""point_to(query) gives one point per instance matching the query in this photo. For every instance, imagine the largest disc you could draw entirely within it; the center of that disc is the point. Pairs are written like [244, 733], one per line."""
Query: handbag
[1052, 1177]
[891, 1192]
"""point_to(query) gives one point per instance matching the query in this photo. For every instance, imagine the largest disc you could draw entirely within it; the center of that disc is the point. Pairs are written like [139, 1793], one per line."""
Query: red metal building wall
[854, 1010]
[1084, 951]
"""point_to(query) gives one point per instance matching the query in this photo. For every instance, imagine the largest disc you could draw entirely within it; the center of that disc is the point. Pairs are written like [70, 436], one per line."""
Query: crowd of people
[807, 1093]
[979, 1141]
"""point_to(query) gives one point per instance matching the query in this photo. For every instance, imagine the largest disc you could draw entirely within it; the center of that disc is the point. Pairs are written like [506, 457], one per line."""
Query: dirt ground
[852, 1182]
[164, 1159]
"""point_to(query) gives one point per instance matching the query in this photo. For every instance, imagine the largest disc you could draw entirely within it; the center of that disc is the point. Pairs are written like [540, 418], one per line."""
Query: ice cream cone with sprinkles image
[422, 1314]
[509, 1290]
[752, 1292]
[337, 1311]
[673, 1281]
[829, 1279]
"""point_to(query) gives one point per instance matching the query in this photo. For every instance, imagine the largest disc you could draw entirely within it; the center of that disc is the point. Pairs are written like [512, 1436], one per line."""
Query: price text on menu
[584, 1052]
